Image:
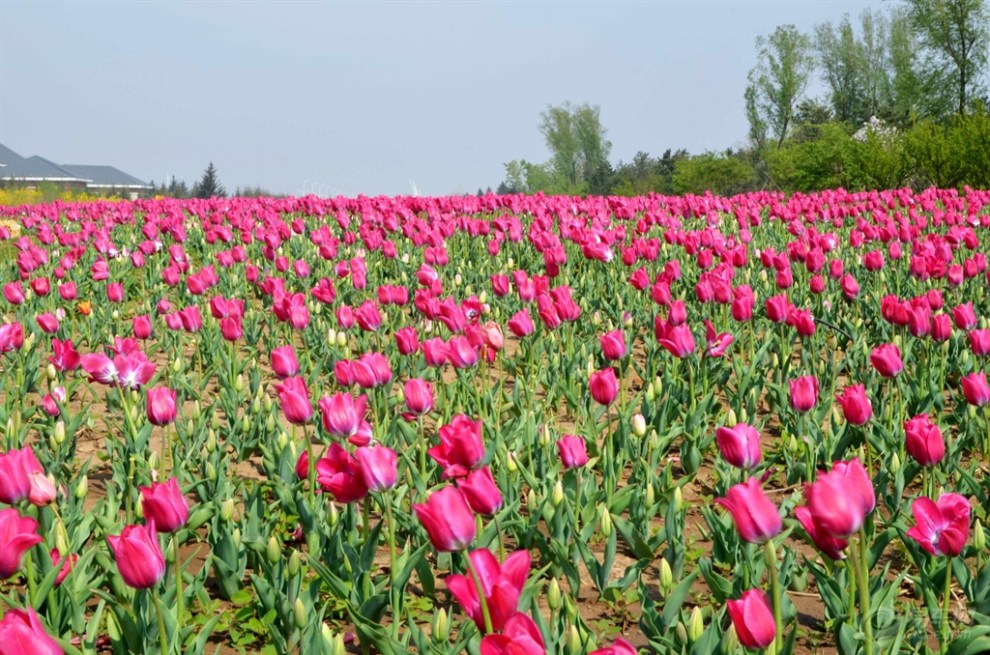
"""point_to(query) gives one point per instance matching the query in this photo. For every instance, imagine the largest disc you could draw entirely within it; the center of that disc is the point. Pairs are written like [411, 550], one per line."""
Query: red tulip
[342, 414]
[520, 636]
[923, 440]
[448, 519]
[604, 386]
[164, 504]
[293, 396]
[139, 555]
[941, 327]
[16, 469]
[481, 492]
[753, 619]
[831, 546]
[340, 474]
[841, 499]
[501, 584]
[975, 389]
[141, 325]
[619, 647]
[461, 448]
[21, 633]
[856, 406]
[886, 359]
[162, 407]
[942, 526]
[378, 467]
[804, 393]
[755, 516]
[573, 451]
[284, 362]
[613, 345]
[739, 445]
[419, 396]
[18, 534]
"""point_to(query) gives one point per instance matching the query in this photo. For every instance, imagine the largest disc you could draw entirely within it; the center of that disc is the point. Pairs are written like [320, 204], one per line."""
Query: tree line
[905, 104]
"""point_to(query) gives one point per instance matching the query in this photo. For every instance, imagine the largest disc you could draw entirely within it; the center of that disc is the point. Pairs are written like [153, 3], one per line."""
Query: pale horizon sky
[349, 98]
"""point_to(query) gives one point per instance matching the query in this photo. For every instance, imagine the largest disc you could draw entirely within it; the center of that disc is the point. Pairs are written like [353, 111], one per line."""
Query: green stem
[481, 596]
[29, 573]
[946, 599]
[864, 592]
[852, 572]
[577, 502]
[393, 559]
[160, 611]
[771, 556]
[179, 599]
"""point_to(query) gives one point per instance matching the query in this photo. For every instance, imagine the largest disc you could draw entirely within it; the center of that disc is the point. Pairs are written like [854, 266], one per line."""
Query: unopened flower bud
[211, 441]
[341, 339]
[554, 599]
[274, 550]
[82, 487]
[638, 425]
[211, 472]
[651, 393]
[176, 365]
[573, 641]
[333, 516]
[227, 509]
[606, 522]
[730, 417]
[62, 539]
[979, 537]
[558, 494]
[696, 625]
[51, 373]
[239, 382]
[681, 631]
[58, 435]
[441, 626]
[299, 614]
[730, 640]
[650, 495]
[895, 463]
[510, 462]
[678, 499]
[666, 577]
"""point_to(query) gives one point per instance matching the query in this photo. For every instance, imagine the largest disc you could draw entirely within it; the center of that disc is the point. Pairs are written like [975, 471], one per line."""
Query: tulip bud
[215, 423]
[29, 342]
[730, 641]
[730, 417]
[333, 517]
[295, 563]
[274, 551]
[638, 425]
[211, 441]
[299, 614]
[531, 498]
[58, 436]
[341, 339]
[510, 462]
[51, 373]
[245, 424]
[176, 365]
[239, 383]
[270, 424]
[545, 438]
[256, 406]
[696, 625]
[573, 642]
[651, 393]
[62, 539]
[979, 537]
[666, 577]
[227, 510]
[658, 385]
[557, 497]
[554, 599]
[895, 463]
[681, 631]
[678, 499]
[606, 521]
[441, 626]
[153, 461]
[82, 487]
[654, 442]
[211, 472]
[743, 415]
[236, 537]
[328, 638]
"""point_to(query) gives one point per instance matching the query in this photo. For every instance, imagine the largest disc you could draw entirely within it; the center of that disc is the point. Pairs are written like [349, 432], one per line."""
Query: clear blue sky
[363, 97]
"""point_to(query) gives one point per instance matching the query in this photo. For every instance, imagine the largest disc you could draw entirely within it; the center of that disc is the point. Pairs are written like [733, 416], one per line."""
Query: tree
[778, 81]
[955, 35]
[209, 185]
[578, 148]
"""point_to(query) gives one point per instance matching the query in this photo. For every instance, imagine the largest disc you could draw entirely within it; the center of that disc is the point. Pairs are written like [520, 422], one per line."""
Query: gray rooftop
[104, 176]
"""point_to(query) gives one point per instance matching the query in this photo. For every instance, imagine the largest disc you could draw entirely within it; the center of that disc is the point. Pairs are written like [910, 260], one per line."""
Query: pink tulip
[923, 440]
[753, 619]
[856, 406]
[139, 556]
[604, 386]
[755, 516]
[501, 584]
[448, 519]
[378, 467]
[573, 451]
[162, 408]
[293, 397]
[16, 469]
[804, 393]
[964, 316]
[48, 323]
[481, 492]
[342, 414]
[739, 445]
[831, 546]
[435, 352]
[941, 526]
[407, 340]
[717, 343]
[419, 396]
[975, 389]
[521, 324]
[65, 357]
[841, 499]
[461, 448]
[21, 633]
[340, 474]
[613, 345]
[164, 504]
[886, 359]
[141, 326]
[678, 340]
[520, 636]
[18, 534]
[115, 292]
[284, 362]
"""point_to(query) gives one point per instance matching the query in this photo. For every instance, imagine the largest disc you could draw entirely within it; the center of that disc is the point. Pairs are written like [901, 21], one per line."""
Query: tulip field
[498, 425]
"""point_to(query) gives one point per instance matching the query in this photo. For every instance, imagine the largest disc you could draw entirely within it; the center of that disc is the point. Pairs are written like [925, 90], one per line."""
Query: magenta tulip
[502, 584]
[941, 526]
[753, 619]
[293, 397]
[755, 515]
[856, 406]
[739, 445]
[923, 440]
[21, 633]
[378, 467]
[841, 499]
[573, 451]
[340, 474]
[284, 362]
[164, 504]
[804, 393]
[461, 448]
[139, 556]
[418, 394]
[18, 534]
[831, 546]
[886, 359]
[975, 389]
[448, 519]
[520, 636]
[604, 386]
[613, 345]
[481, 492]
[162, 407]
